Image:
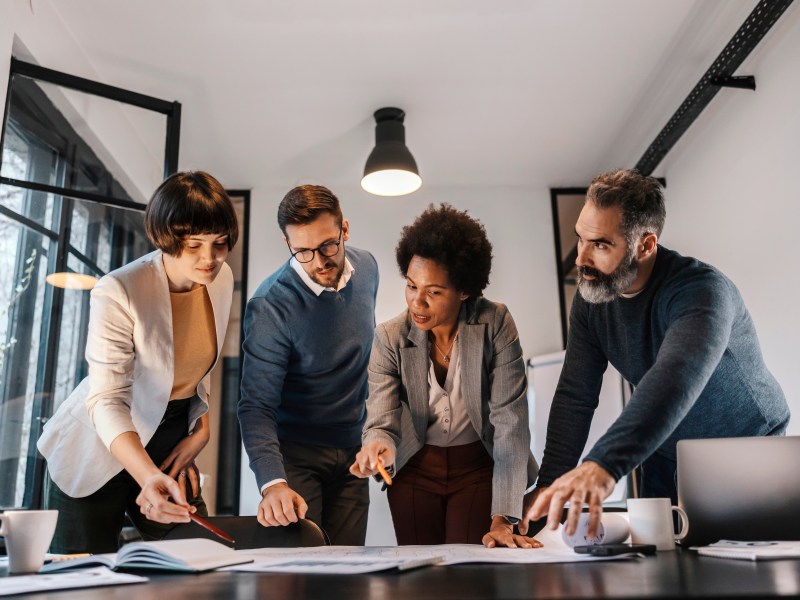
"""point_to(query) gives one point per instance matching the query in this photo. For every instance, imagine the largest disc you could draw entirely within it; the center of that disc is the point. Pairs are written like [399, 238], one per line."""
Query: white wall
[733, 200]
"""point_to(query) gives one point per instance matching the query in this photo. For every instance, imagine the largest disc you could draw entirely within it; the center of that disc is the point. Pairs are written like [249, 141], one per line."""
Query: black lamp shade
[390, 168]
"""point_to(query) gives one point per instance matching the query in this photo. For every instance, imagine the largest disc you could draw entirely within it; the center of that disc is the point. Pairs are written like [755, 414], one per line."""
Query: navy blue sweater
[304, 377]
[688, 344]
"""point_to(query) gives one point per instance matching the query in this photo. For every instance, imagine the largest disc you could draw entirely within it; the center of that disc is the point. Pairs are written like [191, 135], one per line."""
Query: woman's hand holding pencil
[372, 459]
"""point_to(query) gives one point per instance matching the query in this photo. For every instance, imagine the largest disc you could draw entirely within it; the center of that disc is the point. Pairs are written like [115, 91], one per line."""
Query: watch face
[512, 520]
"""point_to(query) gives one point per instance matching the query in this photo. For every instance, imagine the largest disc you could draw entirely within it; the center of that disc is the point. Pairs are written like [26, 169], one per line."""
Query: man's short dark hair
[454, 240]
[189, 203]
[305, 203]
[639, 197]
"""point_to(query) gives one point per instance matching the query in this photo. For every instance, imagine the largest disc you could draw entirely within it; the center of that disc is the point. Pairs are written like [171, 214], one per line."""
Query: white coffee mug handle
[684, 523]
[3, 527]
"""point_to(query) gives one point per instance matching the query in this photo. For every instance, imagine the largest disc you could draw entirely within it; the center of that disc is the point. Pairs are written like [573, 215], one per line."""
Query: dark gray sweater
[688, 344]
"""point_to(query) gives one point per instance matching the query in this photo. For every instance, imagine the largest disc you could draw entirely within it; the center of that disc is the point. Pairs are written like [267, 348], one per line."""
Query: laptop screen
[740, 488]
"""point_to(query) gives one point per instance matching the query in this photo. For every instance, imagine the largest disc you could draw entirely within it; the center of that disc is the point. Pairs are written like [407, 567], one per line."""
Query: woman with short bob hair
[126, 439]
[447, 408]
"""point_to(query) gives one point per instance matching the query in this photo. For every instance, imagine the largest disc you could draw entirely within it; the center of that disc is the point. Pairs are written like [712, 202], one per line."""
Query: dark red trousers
[443, 496]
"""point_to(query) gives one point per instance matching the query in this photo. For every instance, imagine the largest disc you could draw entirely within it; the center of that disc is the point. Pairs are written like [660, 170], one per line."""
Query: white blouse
[448, 422]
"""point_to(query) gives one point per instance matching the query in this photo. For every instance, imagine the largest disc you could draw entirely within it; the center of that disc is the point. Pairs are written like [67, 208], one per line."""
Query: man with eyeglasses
[307, 336]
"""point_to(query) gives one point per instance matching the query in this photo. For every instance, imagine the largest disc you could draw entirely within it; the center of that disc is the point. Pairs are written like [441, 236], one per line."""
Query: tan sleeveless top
[194, 335]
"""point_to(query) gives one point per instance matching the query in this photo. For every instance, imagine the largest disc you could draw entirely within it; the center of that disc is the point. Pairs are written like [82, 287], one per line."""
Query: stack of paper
[750, 550]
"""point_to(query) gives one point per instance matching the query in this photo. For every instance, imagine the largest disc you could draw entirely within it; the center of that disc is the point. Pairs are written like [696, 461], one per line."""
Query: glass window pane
[43, 329]
[104, 237]
[94, 144]
[71, 364]
[31, 205]
[24, 304]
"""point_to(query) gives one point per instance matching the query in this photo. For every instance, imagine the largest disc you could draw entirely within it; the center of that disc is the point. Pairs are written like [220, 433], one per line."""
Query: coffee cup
[28, 535]
[651, 522]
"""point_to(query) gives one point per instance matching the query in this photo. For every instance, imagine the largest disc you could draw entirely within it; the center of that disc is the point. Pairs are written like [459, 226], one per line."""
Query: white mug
[651, 522]
[28, 535]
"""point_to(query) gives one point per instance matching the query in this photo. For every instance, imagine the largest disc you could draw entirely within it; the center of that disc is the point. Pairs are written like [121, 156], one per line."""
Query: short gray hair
[639, 197]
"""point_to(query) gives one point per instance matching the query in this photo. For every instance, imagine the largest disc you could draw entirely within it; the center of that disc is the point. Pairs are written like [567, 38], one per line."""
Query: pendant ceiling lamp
[390, 168]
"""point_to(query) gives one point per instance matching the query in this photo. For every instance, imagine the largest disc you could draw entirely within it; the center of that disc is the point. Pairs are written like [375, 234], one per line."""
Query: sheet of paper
[554, 551]
[22, 584]
[331, 563]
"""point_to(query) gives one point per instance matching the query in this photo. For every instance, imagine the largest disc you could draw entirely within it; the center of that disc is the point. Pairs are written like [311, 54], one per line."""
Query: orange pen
[384, 473]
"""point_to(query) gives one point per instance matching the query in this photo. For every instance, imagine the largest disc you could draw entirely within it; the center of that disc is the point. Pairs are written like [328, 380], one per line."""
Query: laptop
[740, 488]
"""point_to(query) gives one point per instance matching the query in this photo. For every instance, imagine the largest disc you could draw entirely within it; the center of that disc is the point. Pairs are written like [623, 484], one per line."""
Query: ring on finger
[182, 474]
[149, 508]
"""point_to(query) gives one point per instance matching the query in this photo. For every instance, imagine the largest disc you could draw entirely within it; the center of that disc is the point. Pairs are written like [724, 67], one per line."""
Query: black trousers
[337, 500]
[93, 523]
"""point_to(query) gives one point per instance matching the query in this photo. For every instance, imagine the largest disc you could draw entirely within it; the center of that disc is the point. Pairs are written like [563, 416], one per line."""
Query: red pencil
[203, 523]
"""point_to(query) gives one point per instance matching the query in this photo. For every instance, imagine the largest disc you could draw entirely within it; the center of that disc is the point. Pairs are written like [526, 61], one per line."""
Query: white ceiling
[504, 92]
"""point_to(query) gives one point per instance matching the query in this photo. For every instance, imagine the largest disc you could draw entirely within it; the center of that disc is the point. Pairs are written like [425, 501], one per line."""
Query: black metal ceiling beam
[720, 74]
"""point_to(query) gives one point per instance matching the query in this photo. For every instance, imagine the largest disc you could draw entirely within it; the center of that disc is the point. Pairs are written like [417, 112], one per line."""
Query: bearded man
[673, 326]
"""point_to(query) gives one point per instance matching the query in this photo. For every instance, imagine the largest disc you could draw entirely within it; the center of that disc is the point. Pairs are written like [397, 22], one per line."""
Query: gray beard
[606, 288]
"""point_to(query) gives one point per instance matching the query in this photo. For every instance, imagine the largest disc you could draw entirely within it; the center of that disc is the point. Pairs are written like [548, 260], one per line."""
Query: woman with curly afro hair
[447, 411]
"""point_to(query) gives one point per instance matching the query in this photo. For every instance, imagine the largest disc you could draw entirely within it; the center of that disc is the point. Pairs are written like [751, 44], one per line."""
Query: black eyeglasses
[327, 249]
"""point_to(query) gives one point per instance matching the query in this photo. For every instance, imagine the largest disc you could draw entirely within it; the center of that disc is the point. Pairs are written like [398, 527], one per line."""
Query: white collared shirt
[347, 273]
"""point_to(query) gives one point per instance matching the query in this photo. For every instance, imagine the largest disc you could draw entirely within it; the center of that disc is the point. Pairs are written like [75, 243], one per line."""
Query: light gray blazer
[131, 370]
[493, 383]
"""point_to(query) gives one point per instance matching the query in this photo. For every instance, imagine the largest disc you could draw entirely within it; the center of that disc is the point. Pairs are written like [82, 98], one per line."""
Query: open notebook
[190, 555]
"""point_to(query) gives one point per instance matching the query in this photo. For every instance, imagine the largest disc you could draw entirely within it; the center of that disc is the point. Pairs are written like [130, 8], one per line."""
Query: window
[78, 160]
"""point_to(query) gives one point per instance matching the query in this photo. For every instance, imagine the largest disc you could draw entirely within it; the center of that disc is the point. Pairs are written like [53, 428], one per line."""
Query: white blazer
[131, 369]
